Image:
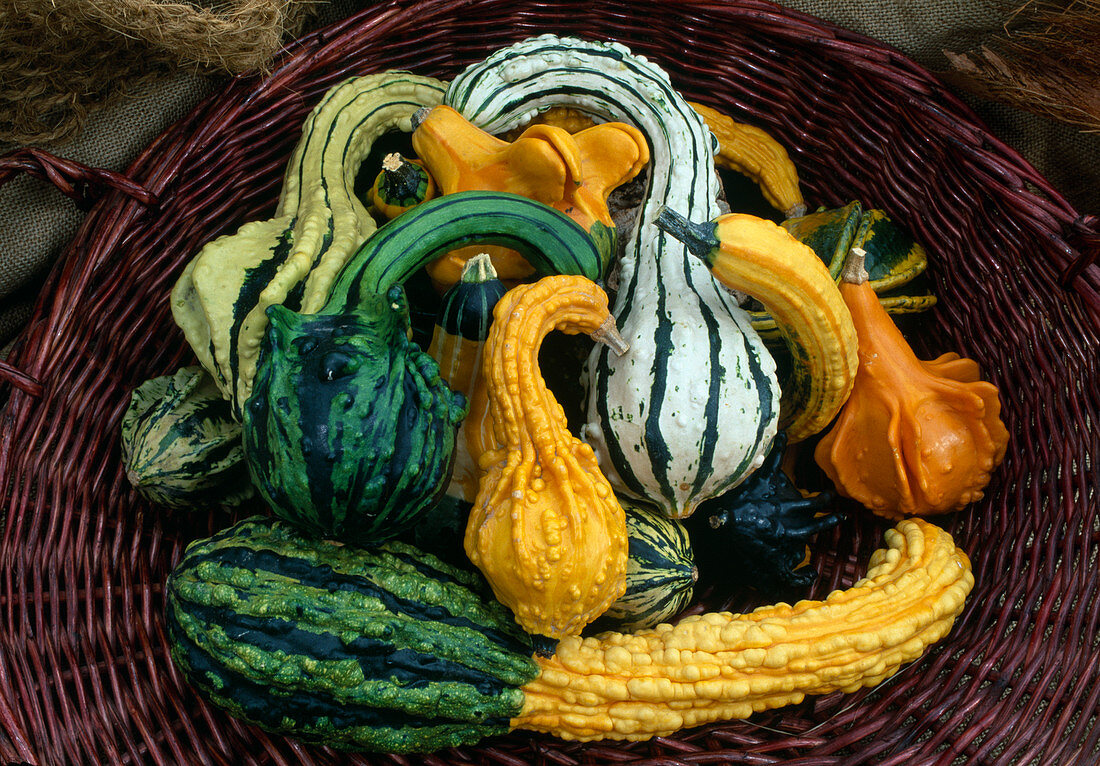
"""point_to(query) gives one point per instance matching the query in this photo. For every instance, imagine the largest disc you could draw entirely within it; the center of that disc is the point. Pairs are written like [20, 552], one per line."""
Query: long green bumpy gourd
[392, 650]
[691, 409]
[292, 259]
[350, 430]
[388, 649]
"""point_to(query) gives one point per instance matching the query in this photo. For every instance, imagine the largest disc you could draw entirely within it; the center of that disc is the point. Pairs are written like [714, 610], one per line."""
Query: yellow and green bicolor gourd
[389, 649]
[894, 258]
[221, 298]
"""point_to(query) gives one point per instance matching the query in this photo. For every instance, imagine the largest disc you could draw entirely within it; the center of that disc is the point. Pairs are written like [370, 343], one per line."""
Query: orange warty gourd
[546, 529]
[914, 437]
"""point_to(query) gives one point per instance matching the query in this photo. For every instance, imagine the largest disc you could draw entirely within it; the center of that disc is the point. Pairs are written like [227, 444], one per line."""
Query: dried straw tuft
[63, 57]
[1046, 62]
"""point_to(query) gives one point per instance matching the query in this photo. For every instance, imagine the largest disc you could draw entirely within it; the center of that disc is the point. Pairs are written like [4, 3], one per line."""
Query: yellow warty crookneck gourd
[914, 437]
[753, 153]
[719, 666]
[546, 529]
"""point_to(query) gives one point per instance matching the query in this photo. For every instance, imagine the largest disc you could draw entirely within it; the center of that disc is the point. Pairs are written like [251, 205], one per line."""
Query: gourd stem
[698, 238]
[855, 271]
[608, 334]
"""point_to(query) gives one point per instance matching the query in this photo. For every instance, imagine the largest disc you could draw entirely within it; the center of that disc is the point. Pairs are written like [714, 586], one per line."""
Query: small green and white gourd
[660, 572]
[181, 447]
[691, 409]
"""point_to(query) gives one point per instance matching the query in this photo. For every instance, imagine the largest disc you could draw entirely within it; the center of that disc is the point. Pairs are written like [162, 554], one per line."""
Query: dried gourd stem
[478, 269]
[392, 162]
[608, 334]
[855, 272]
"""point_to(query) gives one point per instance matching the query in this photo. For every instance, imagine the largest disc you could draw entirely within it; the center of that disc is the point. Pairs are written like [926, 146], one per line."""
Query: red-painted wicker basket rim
[85, 676]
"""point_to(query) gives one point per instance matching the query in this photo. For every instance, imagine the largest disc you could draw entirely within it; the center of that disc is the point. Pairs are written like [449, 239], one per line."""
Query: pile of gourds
[355, 437]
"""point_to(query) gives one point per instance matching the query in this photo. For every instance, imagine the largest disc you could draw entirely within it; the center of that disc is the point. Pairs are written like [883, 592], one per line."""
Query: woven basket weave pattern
[85, 675]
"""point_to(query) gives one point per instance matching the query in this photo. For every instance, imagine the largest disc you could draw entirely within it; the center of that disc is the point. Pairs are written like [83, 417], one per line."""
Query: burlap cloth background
[36, 221]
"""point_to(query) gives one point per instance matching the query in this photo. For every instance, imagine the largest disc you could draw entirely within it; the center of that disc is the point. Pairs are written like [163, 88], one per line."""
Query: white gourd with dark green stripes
[660, 572]
[292, 259]
[691, 409]
[387, 649]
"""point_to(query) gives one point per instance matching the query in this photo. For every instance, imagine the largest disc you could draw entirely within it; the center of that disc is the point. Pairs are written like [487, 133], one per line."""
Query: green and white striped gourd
[387, 649]
[181, 447]
[221, 298]
[660, 572]
[691, 409]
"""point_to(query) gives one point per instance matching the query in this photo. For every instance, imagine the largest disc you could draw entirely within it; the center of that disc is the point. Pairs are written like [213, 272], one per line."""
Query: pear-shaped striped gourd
[691, 409]
[458, 344]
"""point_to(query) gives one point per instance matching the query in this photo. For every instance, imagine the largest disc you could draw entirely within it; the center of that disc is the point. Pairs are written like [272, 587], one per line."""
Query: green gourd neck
[549, 240]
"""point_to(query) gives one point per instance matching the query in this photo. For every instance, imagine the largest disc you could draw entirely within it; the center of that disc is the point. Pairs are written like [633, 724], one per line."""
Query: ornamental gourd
[914, 437]
[572, 173]
[391, 650]
[758, 257]
[181, 447]
[458, 344]
[350, 430]
[221, 298]
[546, 529]
[400, 185]
[691, 409]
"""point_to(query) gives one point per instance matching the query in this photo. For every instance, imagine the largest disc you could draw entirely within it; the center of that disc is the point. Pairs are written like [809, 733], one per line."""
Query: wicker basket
[84, 673]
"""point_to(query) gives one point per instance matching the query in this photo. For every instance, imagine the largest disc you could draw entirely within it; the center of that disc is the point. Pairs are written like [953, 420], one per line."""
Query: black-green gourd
[350, 430]
[181, 447]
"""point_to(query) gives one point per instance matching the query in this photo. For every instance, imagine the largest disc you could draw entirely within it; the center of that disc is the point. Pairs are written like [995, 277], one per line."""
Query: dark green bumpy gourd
[350, 431]
[387, 649]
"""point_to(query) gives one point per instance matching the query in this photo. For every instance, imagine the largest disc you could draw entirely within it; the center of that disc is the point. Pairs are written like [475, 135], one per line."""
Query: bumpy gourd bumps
[719, 666]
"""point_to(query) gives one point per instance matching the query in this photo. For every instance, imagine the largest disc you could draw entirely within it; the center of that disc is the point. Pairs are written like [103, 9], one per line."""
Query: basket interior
[86, 677]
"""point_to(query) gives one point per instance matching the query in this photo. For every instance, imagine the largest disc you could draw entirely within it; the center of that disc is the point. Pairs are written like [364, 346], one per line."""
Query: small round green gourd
[181, 447]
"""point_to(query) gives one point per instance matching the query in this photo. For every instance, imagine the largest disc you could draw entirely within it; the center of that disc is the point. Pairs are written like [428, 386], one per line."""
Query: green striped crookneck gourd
[391, 650]
[691, 409]
[221, 298]
[350, 430]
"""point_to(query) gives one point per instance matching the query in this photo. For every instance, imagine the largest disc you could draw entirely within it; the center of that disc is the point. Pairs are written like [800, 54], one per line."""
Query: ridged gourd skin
[752, 152]
[350, 430]
[692, 408]
[755, 256]
[719, 666]
[391, 650]
[388, 649]
[660, 572]
[545, 529]
[458, 345]
[181, 447]
[221, 298]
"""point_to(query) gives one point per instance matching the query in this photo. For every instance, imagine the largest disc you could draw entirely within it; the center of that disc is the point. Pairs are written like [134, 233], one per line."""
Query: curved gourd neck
[550, 241]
